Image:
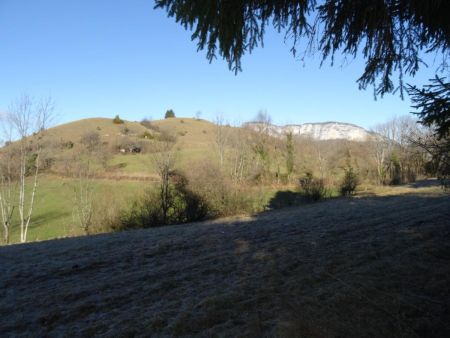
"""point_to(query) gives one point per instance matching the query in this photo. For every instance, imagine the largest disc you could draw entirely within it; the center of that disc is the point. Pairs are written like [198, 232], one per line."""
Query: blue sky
[101, 58]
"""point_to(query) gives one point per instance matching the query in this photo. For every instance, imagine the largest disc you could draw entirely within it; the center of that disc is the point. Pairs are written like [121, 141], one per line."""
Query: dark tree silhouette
[433, 105]
[390, 34]
[169, 114]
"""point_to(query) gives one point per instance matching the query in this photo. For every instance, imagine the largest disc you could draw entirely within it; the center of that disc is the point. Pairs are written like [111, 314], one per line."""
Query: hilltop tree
[118, 120]
[169, 114]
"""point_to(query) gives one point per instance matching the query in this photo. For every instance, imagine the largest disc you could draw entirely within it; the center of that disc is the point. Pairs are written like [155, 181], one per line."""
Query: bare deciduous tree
[289, 154]
[321, 161]
[221, 138]
[164, 160]
[83, 191]
[262, 124]
[385, 135]
[27, 121]
[85, 164]
[7, 182]
[394, 152]
[239, 155]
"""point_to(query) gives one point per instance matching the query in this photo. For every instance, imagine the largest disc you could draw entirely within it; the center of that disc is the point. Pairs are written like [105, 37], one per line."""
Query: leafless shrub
[224, 197]
[147, 123]
[91, 140]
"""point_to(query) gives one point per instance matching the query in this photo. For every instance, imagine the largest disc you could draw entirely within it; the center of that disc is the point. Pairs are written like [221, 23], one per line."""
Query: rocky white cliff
[318, 131]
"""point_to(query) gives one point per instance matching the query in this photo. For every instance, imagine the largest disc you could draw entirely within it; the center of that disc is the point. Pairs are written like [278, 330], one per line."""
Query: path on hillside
[373, 266]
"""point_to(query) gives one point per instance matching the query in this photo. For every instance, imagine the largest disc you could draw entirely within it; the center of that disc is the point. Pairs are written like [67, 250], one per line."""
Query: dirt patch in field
[361, 267]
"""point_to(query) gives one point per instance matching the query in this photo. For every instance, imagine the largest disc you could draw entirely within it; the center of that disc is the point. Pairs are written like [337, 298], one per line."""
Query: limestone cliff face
[318, 131]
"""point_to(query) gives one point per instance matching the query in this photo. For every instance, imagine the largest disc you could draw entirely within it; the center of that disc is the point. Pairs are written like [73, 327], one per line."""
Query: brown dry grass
[374, 266]
[73, 131]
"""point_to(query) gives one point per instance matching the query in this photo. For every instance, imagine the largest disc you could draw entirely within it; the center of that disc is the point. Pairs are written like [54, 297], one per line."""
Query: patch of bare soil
[361, 267]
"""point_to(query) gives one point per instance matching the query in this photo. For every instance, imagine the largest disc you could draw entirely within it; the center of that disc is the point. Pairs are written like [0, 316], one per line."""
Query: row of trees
[392, 155]
[398, 158]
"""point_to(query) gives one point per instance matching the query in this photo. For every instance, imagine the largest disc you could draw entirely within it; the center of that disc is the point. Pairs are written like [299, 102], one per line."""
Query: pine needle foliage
[390, 34]
[432, 103]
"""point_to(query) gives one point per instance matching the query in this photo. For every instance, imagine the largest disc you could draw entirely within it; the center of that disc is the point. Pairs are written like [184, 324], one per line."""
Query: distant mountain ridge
[319, 131]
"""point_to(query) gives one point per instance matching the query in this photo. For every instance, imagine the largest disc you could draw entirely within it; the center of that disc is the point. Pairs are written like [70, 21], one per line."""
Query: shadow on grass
[363, 267]
[286, 199]
[424, 184]
[40, 219]
[289, 198]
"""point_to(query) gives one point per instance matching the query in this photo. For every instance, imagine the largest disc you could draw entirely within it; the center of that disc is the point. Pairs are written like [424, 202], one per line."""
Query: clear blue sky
[99, 58]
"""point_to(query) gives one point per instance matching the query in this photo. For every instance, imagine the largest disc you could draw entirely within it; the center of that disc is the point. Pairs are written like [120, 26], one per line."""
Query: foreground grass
[373, 266]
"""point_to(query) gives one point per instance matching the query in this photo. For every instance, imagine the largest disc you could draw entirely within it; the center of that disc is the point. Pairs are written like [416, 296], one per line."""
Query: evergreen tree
[289, 154]
[433, 105]
[169, 114]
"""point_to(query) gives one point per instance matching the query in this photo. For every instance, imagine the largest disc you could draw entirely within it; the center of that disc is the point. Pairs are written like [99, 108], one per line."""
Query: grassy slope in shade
[375, 266]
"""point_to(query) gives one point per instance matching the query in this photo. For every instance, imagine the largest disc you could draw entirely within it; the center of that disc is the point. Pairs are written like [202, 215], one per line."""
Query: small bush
[30, 165]
[125, 130]
[67, 145]
[166, 136]
[48, 163]
[445, 182]
[107, 211]
[90, 139]
[313, 188]
[349, 183]
[118, 120]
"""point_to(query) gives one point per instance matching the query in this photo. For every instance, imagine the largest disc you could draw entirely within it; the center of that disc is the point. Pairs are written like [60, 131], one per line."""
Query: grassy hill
[196, 133]
[107, 129]
[194, 139]
[362, 267]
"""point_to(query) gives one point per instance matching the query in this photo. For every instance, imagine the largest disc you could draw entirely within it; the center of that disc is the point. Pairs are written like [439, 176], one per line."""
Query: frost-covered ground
[370, 266]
